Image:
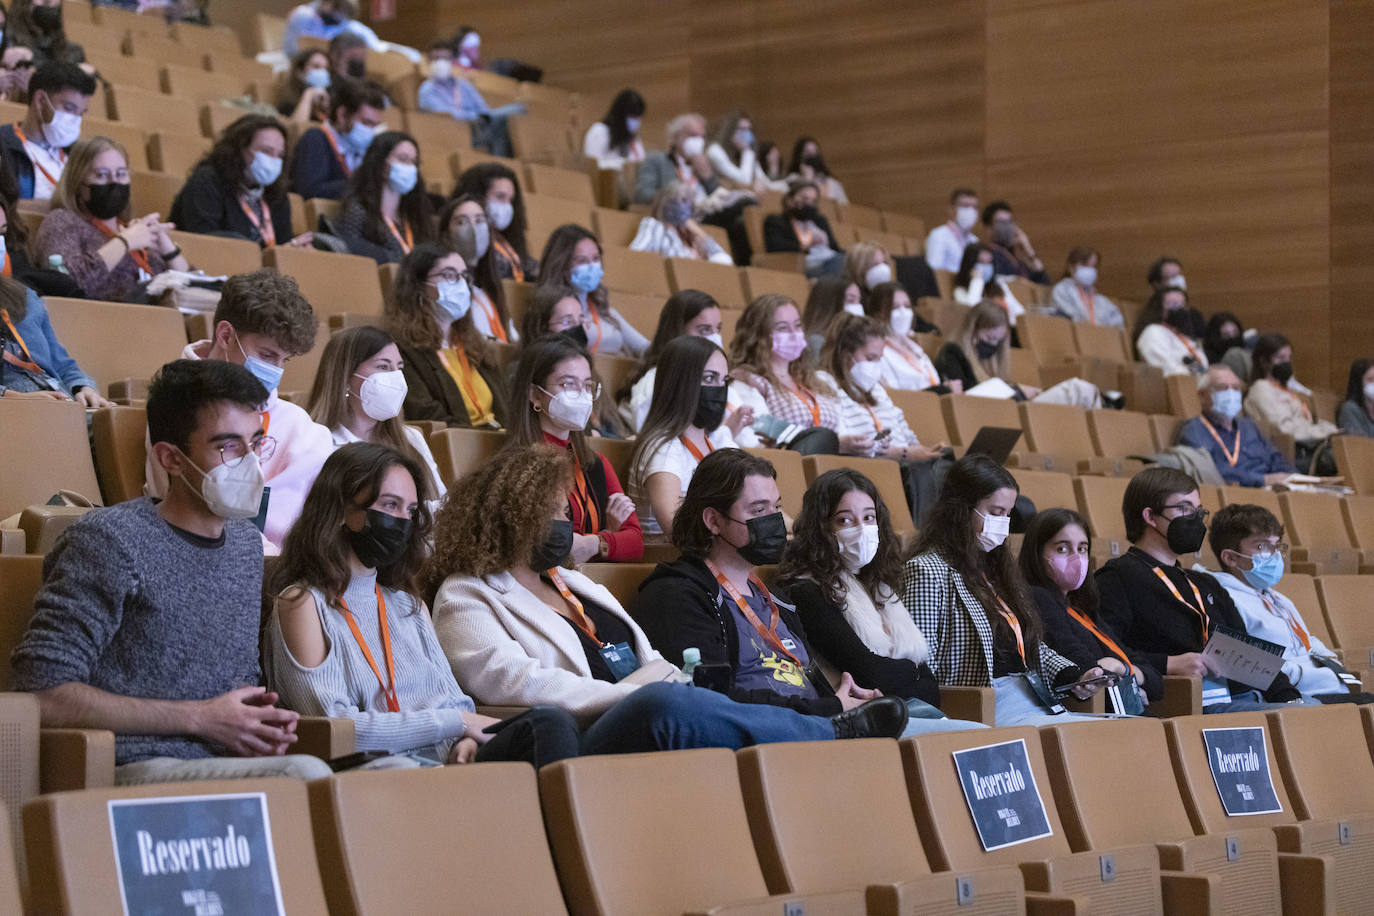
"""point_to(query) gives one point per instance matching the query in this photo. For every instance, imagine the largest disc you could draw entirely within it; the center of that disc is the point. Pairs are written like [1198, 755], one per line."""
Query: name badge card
[207, 855]
[1239, 761]
[1002, 797]
[621, 659]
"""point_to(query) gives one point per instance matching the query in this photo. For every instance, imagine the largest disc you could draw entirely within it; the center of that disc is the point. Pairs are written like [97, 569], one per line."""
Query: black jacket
[1074, 641]
[432, 394]
[832, 636]
[315, 169]
[682, 606]
[1153, 624]
[18, 159]
[778, 234]
[204, 205]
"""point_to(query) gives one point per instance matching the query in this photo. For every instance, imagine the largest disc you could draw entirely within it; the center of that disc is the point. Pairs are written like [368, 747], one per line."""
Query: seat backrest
[1165, 429]
[460, 451]
[165, 50]
[936, 794]
[1324, 758]
[1345, 600]
[1089, 764]
[965, 414]
[124, 20]
[860, 215]
[1359, 520]
[176, 153]
[621, 579]
[200, 85]
[1047, 489]
[115, 68]
[614, 371]
[791, 476]
[10, 896]
[1099, 501]
[759, 280]
[118, 437]
[20, 579]
[1355, 460]
[642, 312]
[886, 477]
[1182, 394]
[1102, 342]
[847, 832]
[1253, 496]
[719, 280]
[1301, 589]
[649, 834]
[894, 244]
[91, 37]
[69, 837]
[924, 414]
[153, 192]
[44, 449]
[913, 227]
[639, 272]
[561, 183]
[298, 374]
[616, 228]
[1048, 337]
[131, 136]
[1059, 429]
[151, 110]
[548, 143]
[332, 283]
[113, 341]
[544, 213]
[1120, 433]
[1197, 784]
[18, 783]
[386, 840]
[218, 256]
[1315, 520]
[217, 40]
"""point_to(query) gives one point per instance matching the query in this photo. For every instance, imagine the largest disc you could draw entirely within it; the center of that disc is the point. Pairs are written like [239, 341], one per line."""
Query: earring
[537, 408]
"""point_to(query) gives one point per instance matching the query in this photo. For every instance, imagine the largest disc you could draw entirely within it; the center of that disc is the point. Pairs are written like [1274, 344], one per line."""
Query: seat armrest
[1182, 697]
[1041, 904]
[75, 758]
[1308, 883]
[975, 704]
[324, 737]
[502, 712]
[1097, 703]
[1189, 894]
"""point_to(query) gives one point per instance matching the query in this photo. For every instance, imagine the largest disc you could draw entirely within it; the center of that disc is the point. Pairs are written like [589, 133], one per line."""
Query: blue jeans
[1252, 701]
[1018, 704]
[923, 721]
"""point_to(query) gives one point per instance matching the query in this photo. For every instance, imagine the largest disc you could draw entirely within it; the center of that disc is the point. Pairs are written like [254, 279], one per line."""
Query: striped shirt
[793, 407]
[860, 419]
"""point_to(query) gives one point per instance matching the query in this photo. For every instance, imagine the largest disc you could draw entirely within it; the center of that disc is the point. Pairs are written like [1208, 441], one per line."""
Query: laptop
[994, 441]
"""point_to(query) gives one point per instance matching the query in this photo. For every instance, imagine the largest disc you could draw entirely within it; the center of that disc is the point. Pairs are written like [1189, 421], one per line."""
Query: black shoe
[884, 717]
[1114, 400]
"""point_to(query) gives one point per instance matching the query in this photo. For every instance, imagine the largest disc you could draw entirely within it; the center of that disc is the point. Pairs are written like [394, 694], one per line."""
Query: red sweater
[623, 546]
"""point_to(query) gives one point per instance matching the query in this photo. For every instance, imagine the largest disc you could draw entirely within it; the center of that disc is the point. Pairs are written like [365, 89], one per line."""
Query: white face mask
[877, 275]
[1179, 282]
[901, 320]
[965, 217]
[441, 68]
[693, 146]
[500, 212]
[995, 530]
[866, 374]
[1084, 275]
[382, 394]
[714, 336]
[232, 492]
[858, 546]
[1369, 391]
[570, 411]
[63, 130]
[854, 308]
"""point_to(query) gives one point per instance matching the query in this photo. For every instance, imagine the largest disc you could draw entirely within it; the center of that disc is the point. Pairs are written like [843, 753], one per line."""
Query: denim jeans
[1253, 700]
[923, 721]
[1018, 704]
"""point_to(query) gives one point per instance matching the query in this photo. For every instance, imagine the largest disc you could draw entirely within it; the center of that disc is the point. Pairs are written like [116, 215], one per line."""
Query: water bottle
[690, 659]
[55, 263]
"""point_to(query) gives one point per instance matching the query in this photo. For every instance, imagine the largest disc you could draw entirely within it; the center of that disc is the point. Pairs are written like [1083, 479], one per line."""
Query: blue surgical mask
[265, 372]
[632, 125]
[455, 298]
[263, 170]
[677, 212]
[985, 271]
[586, 277]
[1226, 403]
[744, 138]
[359, 136]
[318, 78]
[402, 177]
[1265, 571]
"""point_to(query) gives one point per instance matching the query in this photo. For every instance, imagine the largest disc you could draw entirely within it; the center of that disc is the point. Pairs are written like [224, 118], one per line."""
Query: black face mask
[1282, 372]
[1229, 343]
[1186, 534]
[107, 200]
[806, 214]
[1179, 320]
[986, 350]
[710, 407]
[556, 546]
[331, 18]
[814, 162]
[577, 334]
[382, 540]
[767, 538]
[47, 18]
[356, 69]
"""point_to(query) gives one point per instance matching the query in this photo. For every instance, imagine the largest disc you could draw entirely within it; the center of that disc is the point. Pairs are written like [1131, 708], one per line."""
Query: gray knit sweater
[134, 608]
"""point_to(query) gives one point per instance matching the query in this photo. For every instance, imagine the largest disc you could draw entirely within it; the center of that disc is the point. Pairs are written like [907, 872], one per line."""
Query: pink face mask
[789, 344]
[1068, 570]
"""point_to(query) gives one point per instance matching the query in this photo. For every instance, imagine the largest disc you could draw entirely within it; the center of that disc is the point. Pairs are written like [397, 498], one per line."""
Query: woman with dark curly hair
[521, 629]
[238, 188]
[386, 211]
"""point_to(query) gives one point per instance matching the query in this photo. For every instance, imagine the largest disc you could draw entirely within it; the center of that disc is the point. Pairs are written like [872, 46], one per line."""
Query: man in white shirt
[1248, 541]
[946, 243]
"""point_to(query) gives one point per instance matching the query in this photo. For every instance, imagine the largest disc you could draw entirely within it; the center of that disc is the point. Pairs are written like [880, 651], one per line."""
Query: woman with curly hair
[520, 629]
[386, 211]
[349, 637]
[843, 569]
[238, 188]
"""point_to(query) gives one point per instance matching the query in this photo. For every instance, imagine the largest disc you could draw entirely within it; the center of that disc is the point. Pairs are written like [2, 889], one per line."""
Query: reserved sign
[1239, 761]
[199, 855]
[1002, 797]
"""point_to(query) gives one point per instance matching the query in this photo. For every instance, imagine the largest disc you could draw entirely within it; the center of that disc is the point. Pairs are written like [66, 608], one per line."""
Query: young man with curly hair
[262, 321]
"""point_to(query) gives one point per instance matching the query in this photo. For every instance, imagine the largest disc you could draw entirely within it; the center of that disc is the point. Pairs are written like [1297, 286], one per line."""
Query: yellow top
[476, 394]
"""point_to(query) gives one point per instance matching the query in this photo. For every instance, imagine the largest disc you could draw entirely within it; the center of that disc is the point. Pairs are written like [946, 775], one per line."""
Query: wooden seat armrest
[75, 758]
[323, 737]
[975, 704]
[1182, 697]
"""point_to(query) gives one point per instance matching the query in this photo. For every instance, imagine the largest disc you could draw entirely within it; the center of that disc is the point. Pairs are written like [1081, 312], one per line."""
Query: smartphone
[719, 678]
[351, 761]
[1104, 680]
[882, 434]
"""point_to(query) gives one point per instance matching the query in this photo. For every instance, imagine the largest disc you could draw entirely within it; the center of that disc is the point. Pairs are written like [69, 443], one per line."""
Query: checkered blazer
[956, 625]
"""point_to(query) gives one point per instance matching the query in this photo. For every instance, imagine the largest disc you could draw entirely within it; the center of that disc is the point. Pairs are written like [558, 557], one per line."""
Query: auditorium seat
[247, 69]
[1253, 496]
[150, 110]
[621, 579]
[1060, 432]
[1101, 342]
[1309, 884]
[886, 476]
[758, 281]
[201, 86]
[33, 476]
[657, 834]
[616, 452]
[1090, 764]
[214, 117]
[298, 375]
[613, 371]
[106, 42]
[639, 272]
[966, 414]
[890, 242]
[1321, 542]
[10, 896]
[642, 312]
[1049, 338]
[924, 414]
[849, 833]
[389, 841]
[720, 281]
[113, 341]
[219, 41]
[1047, 489]
[546, 143]
[114, 18]
[317, 208]
[1184, 400]
[465, 159]
[115, 68]
[1359, 519]
[1301, 589]
[1084, 882]
[460, 451]
[176, 153]
[615, 228]
[165, 51]
[860, 215]
[438, 136]
[19, 718]
[1345, 600]
[1121, 432]
[1165, 428]
[1355, 460]
[517, 298]
[913, 227]
[153, 192]
[753, 227]
[330, 282]
[70, 843]
[1099, 501]
[217, 255]
[117, 434]
[560, 183]
[791, 472]
[1143, 387]
[544, 213]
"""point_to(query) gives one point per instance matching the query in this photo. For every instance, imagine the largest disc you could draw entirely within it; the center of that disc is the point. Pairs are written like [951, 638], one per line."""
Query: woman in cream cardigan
[520, 630]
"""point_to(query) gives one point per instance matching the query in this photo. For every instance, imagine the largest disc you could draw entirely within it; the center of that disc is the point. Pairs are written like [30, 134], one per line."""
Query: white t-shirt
[671, 458]
[741, 395]
[915, 374]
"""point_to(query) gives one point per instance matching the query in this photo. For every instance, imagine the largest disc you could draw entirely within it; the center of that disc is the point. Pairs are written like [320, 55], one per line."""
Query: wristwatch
[603, 546]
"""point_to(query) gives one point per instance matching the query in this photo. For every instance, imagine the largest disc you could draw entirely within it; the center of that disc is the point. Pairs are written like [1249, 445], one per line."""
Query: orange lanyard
[61, 157]
[1292, 622]
[493, 317]
[1103, 638]
[877, 424]
[1233, 455]
[408, 241]
[338, 154]
[1089, 302]
[803, 240]
[579, 618]
[1015, 625]
[696, 452]
[769, 633]
[27, 362]
[1307, 414]
[1197, 357]
[7, 270]
[388, 685]
[918, 366]
[261, 222]
[140, 257]
[591, 518]
[517, 269]
[596, 320]
[465, 375]
[1198, 610]
[266, 421]
[806, 397]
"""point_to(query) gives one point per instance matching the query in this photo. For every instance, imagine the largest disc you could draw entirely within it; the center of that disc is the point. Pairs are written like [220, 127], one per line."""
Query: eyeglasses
[1268, 550]
[235, 450]
[105, 176]
[1187, 511]
[450, 276]
[715, 379]
[570, 387]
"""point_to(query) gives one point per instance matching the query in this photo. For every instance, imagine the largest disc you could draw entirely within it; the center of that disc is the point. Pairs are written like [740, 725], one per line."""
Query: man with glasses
[262, 321]
[1238, 448]
[147, 621]
[1248, 541]
[1163, 612]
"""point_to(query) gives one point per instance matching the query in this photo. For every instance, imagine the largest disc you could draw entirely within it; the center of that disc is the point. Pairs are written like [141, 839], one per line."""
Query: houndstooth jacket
[956, 625]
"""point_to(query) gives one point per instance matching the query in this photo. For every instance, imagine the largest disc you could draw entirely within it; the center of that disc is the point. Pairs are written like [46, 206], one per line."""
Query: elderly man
[1241, 453]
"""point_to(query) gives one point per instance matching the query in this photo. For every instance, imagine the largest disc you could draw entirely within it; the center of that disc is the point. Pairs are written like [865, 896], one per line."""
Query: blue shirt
[1257, 456]
[437, 95]
[760, 666]
[44, 349]
[305, 20]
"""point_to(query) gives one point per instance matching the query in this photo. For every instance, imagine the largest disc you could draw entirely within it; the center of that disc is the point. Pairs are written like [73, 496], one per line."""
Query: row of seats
[874, 826]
